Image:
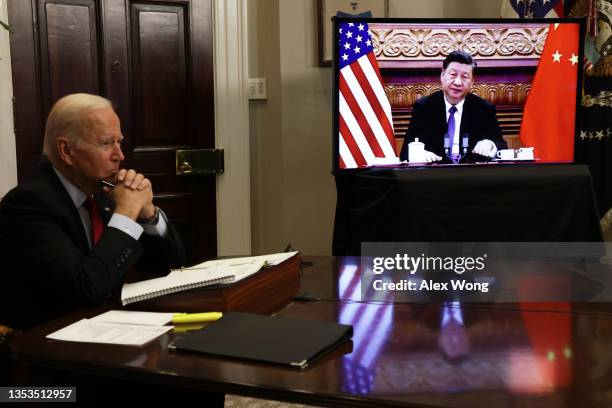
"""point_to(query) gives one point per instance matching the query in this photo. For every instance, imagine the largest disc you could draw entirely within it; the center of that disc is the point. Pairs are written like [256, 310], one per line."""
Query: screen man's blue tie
[450, 131]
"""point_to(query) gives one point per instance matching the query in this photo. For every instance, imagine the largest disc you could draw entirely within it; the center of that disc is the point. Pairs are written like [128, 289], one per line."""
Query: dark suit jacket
[428, 123]
[47, 266]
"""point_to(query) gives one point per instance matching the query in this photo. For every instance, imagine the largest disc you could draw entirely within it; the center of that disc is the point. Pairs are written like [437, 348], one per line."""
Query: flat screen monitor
[433, 91]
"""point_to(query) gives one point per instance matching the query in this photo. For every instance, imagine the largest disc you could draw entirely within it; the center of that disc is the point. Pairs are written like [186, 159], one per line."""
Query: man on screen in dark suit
[66, 242]
[456, 115]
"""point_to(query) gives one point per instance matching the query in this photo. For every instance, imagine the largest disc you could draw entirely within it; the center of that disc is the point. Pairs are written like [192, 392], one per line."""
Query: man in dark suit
[65, 241]
[456, 115]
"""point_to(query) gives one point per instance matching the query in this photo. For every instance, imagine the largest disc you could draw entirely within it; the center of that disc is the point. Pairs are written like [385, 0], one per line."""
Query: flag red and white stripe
[365, 123]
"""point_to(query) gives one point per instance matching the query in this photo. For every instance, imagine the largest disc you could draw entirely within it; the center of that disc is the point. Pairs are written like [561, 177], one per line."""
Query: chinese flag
[550, 110]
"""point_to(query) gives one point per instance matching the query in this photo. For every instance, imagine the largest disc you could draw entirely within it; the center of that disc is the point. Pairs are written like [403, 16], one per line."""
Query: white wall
[445, 8]
[293, 193]
[8, 166]
[416, 8]
[309, 188]
[267, 194]
[472, 8]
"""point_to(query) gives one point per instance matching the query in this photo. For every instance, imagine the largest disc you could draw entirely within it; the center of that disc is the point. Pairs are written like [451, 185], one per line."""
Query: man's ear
[64, 149]
[471, 83]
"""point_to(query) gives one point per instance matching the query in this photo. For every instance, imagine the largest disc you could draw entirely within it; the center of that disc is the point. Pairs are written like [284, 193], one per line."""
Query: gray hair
[69, 117]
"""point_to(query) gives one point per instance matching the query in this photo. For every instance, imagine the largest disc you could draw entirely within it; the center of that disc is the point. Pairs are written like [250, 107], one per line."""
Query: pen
[179, 318]
[105, 183]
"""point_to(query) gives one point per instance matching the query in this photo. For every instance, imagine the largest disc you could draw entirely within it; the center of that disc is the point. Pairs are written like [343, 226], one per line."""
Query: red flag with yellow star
[550, 111]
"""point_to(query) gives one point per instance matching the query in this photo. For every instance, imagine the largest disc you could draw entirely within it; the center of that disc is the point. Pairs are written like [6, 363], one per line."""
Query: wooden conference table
[544, 355]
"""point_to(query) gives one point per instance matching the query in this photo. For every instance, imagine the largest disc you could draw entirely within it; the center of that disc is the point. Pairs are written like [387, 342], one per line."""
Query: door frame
[232, 127]
[8, 151]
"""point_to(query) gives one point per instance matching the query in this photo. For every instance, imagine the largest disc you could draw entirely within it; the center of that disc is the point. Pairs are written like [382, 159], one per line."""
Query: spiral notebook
[176, 281]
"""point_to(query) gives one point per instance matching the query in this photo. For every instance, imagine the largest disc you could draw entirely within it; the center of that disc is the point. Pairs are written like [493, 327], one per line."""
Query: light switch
[257, 88]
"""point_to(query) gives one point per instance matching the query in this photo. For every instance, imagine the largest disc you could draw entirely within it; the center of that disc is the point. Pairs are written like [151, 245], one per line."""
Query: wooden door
[154, 60]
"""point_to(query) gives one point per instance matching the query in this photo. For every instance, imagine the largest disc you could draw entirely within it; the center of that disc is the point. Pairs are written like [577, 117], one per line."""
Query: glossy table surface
[442, 355]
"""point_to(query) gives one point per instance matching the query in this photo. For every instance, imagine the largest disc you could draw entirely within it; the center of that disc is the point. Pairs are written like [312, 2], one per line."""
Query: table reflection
[371, 324]
[452, 347]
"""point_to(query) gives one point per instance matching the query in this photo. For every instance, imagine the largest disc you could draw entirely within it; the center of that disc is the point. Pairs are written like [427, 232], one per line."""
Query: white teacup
[525, 153]
[505, 154]
[416, 151]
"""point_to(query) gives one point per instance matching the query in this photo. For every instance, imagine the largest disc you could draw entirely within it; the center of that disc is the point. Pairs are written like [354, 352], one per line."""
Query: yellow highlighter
[184, 328]
[180, 318]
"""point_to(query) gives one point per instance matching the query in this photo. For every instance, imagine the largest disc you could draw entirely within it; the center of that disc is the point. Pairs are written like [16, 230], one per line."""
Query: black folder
[272, 339]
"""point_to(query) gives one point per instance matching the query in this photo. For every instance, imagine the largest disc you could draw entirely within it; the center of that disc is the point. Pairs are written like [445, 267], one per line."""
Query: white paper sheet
[132, 317]
[92, 331]
[241, 267]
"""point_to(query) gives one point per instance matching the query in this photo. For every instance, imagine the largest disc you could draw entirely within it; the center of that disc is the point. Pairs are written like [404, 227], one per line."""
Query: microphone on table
[447, 145]
[465, 143]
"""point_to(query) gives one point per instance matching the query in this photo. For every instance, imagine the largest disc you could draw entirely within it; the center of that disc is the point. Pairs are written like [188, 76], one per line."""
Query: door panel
[165, 111]
[153, 60]
[68, 49]
[159, 75]
[26, 87]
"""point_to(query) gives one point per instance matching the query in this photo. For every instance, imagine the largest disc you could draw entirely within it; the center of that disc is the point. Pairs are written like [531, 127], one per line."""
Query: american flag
[365, 124]
[532, 8]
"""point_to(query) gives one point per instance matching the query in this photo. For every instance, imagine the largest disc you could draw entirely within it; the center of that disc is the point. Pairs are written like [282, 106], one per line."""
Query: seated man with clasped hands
[66, 240]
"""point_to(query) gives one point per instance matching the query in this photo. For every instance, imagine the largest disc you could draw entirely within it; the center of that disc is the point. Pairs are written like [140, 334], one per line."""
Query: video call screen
[528, 70]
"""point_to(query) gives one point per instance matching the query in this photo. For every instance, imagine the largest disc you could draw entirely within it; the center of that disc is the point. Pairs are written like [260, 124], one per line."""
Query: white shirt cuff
[126, 224]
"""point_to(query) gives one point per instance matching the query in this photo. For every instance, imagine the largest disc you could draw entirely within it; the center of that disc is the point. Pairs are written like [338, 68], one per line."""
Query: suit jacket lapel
[63, 205]
[440, 117]
[106, 207]
[466, 120]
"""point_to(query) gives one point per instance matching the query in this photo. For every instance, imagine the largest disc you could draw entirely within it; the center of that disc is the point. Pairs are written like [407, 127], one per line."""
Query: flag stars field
[556, 56]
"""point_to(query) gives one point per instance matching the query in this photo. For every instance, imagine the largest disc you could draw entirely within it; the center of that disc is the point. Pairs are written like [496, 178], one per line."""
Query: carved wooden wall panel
[422, 45]
[404, 95]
